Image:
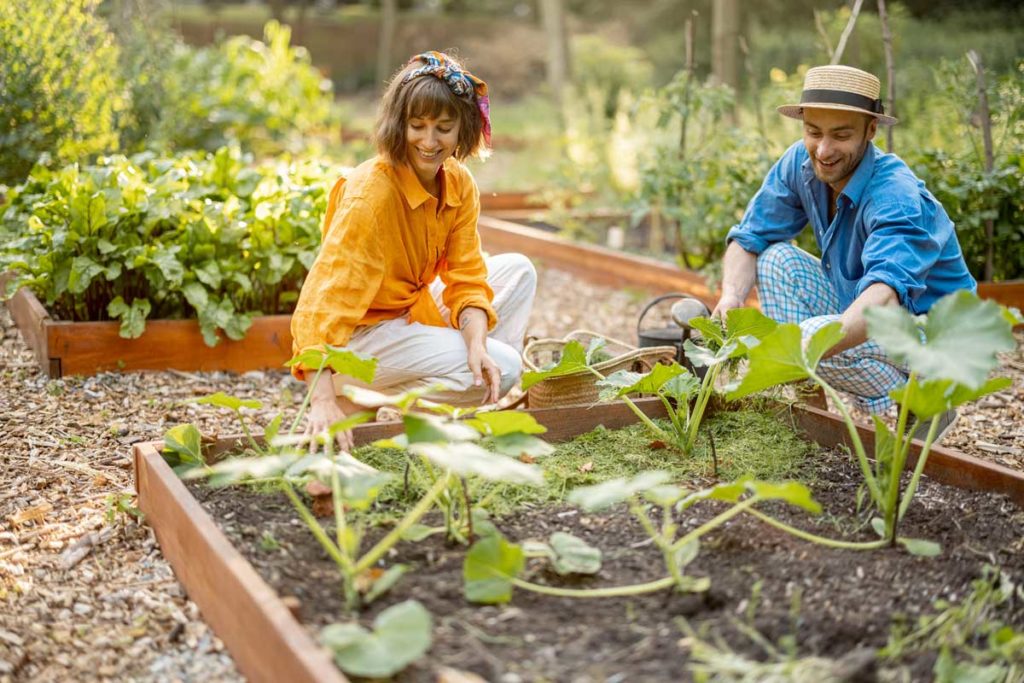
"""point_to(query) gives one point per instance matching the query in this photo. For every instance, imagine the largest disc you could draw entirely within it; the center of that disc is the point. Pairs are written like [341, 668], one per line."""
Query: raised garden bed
[844, 599]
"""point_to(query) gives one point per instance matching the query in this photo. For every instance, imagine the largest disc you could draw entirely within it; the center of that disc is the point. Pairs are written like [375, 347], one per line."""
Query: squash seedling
[492, 566]
[948, 353]
[684, 396]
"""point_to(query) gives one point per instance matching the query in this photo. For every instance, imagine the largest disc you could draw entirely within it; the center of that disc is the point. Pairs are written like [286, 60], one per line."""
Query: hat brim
[796, 111]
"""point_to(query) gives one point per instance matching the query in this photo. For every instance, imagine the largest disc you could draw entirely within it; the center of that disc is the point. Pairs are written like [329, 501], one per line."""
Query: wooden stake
[841, 47]
[986, 131]
[890, 75]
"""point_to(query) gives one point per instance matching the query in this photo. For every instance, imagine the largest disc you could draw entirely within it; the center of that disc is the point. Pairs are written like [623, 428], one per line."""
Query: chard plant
[493, 566]
[449, 449]
[684, 395]
[949, 354]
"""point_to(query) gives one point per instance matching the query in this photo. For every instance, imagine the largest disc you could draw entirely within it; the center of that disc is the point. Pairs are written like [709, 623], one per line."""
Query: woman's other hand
[486, 373]
[324, 411]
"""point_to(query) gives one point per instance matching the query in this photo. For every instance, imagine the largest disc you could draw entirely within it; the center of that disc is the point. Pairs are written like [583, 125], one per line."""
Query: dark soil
[834, 602]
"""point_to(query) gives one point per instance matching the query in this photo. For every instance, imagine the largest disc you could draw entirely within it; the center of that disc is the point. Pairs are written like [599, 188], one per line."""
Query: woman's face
[428, 142]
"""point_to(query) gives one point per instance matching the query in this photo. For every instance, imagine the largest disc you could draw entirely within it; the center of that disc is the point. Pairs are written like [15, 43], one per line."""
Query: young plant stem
[613, 592]
[858, 445]
[421, 508]
[658, 431]
[469, 510]
[821, 540]
[248, 434]
[922, 458]
[305, 401]
[899, 456]
[676, 426]
[703, 396]
[721, 519]
[340, 525]
[318, 531]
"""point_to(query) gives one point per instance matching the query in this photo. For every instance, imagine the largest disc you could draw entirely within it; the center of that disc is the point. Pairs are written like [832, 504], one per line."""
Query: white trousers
[413, 355]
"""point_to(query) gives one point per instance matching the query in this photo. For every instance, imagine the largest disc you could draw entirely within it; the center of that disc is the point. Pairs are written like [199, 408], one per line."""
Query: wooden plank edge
[267, 643]
[32, 320]
[945, 465]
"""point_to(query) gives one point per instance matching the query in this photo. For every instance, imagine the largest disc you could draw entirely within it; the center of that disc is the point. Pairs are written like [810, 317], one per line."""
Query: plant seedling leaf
[573, 360]
[792, 492]
[920, 547]
[596, 344]
[133, 317]
[748, 322]
[704, 357]
[272, 428]
[934, 396]
[418, 532]
[182, 444]
[234, 470]
[690, 584]
[502, 422]
[222, 400]
[962, 335]
[681, 387]
[646, 383]
[781, 358]
[878, 524]
[425, 428]
[375, 399]
[489, 568]
[573, 555]
[730, 492]
[664, 495]
[711, 330]
[467, 459]
[687, 553]
[482, 524]
[341, 360]
[385, 582]
[614, 491]
[349, 422]
[401, 634]
[516, 445]
[361, 490]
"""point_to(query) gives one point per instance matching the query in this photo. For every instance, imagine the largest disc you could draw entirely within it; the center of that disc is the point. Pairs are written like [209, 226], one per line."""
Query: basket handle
[580, 332]
[657, 300]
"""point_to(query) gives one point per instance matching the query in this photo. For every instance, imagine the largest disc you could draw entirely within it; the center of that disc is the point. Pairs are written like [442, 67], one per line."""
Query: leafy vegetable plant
[949, 354]
[684, 395]
[492, 566]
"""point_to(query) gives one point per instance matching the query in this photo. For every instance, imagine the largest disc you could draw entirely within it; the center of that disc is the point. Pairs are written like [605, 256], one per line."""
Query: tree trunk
[725, 48]
[552, 14]
[837, 56]
[386, 39]
[986, 132]
[890, 75]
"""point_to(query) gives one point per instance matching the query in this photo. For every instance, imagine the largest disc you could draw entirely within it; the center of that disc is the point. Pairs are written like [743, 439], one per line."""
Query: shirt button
[828, 266]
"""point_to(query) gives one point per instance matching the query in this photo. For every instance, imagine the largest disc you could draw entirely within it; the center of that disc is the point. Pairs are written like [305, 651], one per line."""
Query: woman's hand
[324, 411]
[486, 373]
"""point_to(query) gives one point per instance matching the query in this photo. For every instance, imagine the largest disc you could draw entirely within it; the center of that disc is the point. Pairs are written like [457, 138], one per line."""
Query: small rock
[82, 609]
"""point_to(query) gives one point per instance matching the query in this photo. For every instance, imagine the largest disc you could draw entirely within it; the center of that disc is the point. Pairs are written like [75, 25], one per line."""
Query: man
[884, 239]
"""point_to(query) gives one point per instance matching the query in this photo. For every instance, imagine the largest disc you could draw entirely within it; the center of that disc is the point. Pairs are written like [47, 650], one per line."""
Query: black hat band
[842, 97]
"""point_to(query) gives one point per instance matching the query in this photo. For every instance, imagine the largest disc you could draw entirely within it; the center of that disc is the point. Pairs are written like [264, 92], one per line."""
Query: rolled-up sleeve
[775, 213]
[342, 283]
[465, 274]
[900, 249]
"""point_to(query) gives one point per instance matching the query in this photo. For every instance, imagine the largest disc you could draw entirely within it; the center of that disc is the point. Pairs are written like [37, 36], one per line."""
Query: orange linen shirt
[385, 239]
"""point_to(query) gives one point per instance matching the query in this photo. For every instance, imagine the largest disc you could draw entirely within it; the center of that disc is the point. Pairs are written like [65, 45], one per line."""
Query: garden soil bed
[846, 600]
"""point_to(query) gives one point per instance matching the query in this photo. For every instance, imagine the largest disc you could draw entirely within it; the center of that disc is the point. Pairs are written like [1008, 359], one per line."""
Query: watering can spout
[684, 310]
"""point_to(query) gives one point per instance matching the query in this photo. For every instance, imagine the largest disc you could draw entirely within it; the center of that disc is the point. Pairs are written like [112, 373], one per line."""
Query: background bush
[60, 96]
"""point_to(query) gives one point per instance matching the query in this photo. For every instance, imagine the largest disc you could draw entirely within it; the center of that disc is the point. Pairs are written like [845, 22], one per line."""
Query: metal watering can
[685, 308]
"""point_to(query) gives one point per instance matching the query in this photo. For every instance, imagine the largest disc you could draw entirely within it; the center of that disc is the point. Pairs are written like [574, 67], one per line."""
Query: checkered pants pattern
[793, 289]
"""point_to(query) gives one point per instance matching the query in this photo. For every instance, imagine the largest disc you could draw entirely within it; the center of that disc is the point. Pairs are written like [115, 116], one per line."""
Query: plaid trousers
[793, 289]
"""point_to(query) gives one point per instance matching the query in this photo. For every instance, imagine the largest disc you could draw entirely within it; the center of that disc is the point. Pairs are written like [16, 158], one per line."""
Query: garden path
[85, 599]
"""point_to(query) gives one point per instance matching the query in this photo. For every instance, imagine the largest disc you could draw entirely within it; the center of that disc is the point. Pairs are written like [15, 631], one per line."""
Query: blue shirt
[887, 228]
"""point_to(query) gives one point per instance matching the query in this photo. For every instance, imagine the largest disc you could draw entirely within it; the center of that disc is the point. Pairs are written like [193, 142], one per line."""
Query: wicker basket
[579, 387]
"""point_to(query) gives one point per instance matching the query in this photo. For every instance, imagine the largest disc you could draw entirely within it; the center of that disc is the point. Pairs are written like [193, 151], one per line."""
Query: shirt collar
[854, 189]
[415, 194]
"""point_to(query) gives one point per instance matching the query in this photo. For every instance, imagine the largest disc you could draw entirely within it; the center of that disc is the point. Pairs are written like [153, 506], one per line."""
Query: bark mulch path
[86, 598]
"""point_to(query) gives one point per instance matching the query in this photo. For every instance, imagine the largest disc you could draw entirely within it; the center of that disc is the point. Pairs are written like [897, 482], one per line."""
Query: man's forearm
[855, 327]
[739, 271]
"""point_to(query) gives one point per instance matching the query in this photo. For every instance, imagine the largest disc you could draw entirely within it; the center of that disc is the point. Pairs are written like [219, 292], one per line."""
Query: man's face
[836, 141]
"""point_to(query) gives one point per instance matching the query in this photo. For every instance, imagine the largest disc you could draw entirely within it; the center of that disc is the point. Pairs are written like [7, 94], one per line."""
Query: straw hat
[839, 87]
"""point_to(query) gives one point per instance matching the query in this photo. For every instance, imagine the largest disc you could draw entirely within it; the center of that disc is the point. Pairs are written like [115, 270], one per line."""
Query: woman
[400, 275]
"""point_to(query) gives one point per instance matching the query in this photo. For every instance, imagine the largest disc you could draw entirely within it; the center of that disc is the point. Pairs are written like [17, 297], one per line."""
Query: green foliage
[401, 634]
[600, 66]
[210, 236]
[489, 568]
[263, 96]
[60, 96]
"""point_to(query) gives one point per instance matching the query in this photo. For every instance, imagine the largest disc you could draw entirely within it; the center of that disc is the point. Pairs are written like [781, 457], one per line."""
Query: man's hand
[324, 411]
[486, 373]
[724, 305]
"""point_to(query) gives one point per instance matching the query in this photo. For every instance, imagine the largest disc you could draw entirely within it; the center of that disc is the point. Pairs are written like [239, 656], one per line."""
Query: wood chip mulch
[85, 593]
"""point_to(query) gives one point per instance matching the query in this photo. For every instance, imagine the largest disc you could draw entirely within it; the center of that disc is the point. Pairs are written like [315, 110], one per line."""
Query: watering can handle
[657, 300]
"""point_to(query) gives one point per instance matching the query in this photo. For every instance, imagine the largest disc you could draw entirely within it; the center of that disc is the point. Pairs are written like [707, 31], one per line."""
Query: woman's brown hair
[426, 96]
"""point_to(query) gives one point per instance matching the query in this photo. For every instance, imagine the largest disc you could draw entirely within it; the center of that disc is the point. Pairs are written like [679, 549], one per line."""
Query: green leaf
[730, 492]
[469, 459]
[344, 362]
[375, 399]
[516, 445]
[665, 495]
[703, 357]
[920, 547]
[792, 492]
[596, 344]
[83, 270]
[222, 400]
[133, 318]
[681, 387]
[419, 532]
[711, 330]
[573, 360]
[401, 634]
[687, 553]
[501, 422]
[748, 322]
[573, 555]
[349, 422]
[932, 397]
[780, 357]
[386, 582]
[489, 568]
[196, 295]
[183, 444]
[648, 383]
[608, 493]
[271, 430]
[962, 335]
[423, 428]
